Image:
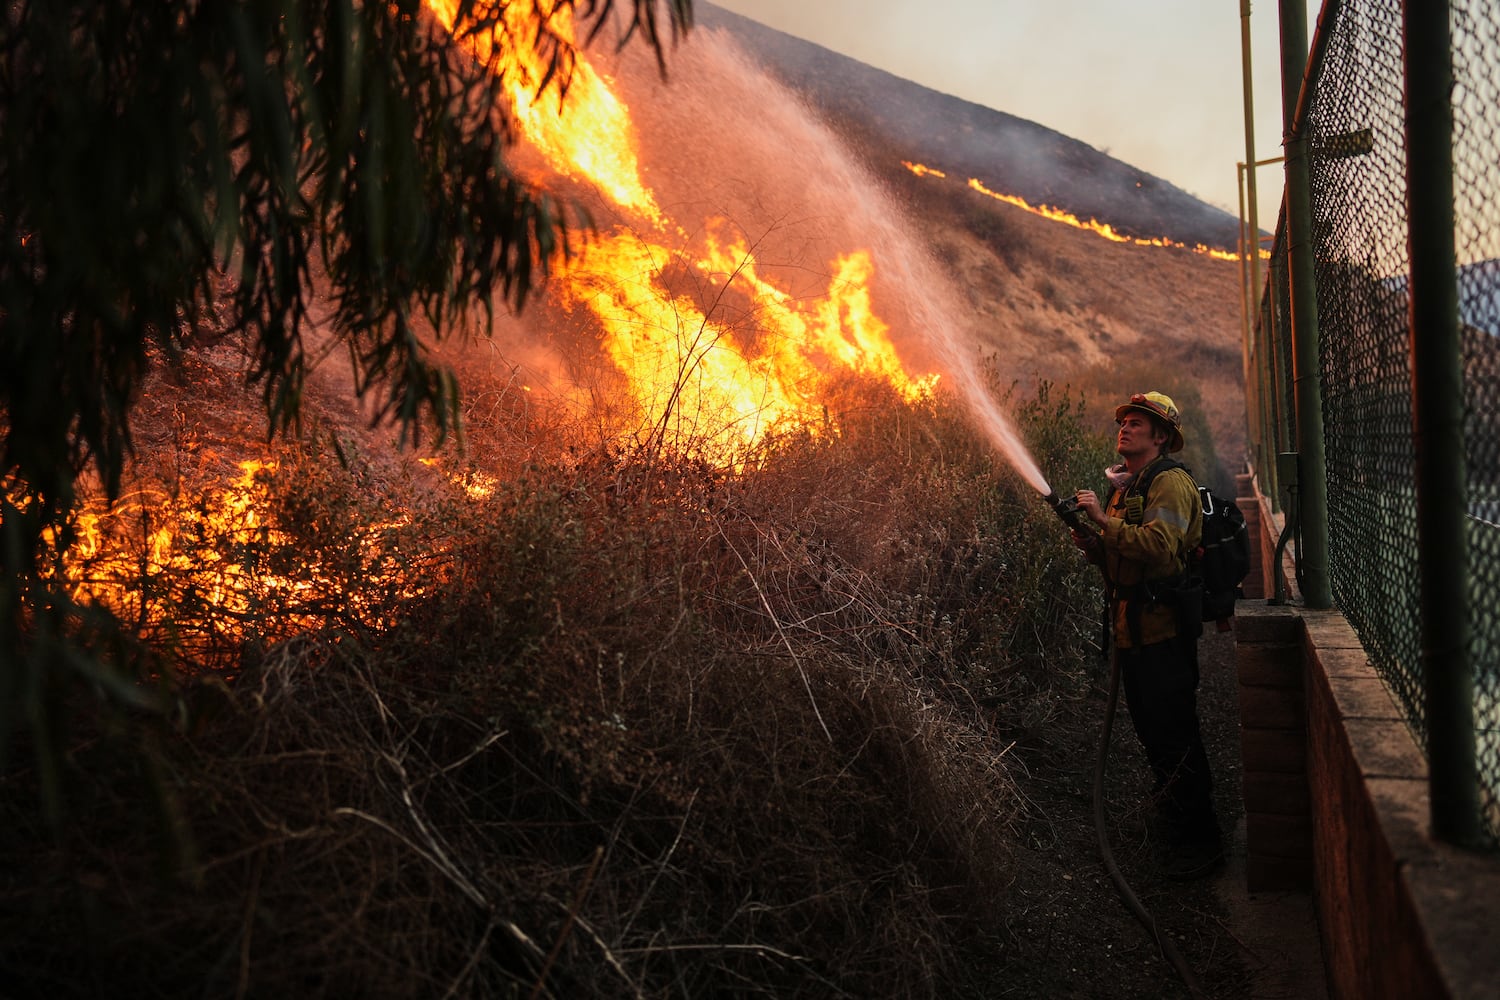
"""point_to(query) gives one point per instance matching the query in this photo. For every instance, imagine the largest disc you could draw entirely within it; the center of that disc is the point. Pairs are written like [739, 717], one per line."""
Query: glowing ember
[476, 484]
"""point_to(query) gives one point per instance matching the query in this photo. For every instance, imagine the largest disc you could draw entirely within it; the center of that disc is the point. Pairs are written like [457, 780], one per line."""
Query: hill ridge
[1033, 161]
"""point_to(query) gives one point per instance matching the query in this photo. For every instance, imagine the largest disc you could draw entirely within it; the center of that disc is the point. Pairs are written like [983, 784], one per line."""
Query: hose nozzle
[1067, 509]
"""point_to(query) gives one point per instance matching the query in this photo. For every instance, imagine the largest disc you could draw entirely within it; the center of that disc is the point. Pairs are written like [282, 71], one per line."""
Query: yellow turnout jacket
[1149, 538]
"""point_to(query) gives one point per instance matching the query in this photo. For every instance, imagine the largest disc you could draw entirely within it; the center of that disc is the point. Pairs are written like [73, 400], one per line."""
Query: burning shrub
[207, 568]
[613, 727]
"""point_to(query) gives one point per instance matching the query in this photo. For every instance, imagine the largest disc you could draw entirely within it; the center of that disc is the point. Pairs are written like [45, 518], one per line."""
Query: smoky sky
[1156, 83]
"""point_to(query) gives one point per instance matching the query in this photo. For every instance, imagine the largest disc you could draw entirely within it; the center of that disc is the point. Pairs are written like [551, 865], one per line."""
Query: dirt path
[1275, 931]
[1072, 935]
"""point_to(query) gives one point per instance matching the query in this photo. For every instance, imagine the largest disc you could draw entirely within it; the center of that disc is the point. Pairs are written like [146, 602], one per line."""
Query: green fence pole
[1252, 410]
[1247, 326]
[1437, 423]
[1312, 473]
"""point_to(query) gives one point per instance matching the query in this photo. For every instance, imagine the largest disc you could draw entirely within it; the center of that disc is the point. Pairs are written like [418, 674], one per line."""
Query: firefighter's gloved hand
[1088, 502]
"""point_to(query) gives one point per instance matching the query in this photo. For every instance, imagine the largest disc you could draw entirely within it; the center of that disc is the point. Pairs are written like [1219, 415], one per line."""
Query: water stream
[722, 143]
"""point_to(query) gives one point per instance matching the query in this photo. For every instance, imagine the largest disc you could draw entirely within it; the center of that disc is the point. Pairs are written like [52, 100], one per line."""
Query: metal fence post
[1312, 471]
[1438, 422]
[1252, 259]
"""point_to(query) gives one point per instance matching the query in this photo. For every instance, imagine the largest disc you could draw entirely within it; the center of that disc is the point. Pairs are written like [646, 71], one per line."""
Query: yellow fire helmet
[1158, 406]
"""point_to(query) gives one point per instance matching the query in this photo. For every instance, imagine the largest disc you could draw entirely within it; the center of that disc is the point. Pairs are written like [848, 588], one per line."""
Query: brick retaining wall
[1336, 801]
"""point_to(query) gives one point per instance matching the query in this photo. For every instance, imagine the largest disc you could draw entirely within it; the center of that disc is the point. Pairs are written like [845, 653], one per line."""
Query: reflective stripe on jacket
[1153, 545]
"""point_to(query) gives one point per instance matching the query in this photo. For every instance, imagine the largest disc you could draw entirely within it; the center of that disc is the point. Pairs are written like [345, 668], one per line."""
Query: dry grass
[616, 729]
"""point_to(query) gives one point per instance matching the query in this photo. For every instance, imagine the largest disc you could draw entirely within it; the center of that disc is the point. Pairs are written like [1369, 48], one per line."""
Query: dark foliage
[154, 156]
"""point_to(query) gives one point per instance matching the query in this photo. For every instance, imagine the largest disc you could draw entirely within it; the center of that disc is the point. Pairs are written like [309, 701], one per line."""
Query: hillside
[909, 121]
[1048, 300]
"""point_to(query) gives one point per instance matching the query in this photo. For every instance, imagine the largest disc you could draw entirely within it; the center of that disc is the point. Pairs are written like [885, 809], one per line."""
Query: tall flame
[695, 375]
[593, 139]
[715, 353]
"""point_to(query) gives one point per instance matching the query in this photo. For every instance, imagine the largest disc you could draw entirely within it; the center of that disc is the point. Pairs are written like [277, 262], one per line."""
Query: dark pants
[1161, 692]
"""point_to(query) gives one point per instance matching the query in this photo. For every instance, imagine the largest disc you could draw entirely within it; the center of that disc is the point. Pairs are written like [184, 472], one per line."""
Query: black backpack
[1222, 560]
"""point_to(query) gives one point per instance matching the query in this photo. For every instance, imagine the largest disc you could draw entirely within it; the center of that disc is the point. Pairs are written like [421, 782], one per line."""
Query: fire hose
[1067, 509]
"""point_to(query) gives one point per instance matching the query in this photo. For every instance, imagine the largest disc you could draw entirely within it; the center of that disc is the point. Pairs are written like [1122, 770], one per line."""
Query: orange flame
[1103, 229]
[594, 142]
[716, 384]
[922, 170]
[151, 536]
[694, 376]
[216, 565]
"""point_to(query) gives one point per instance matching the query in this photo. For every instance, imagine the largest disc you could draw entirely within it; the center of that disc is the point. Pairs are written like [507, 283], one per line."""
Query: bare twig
[562, 935]
[478, 749]
[661, 867]
[474, 956]
[771, 614]
[759, 949]
[609, 956]
[247, 927]
[441, 864]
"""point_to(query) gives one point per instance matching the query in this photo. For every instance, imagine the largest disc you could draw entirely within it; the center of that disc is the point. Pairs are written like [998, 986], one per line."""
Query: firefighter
[1145, 541]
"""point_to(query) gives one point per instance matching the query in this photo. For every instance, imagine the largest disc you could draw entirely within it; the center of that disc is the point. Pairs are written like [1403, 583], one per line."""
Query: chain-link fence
[1355, 130]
